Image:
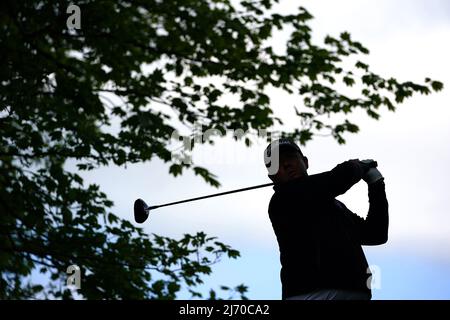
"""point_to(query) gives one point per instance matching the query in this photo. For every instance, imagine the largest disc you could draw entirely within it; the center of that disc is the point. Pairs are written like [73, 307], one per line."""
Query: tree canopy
[114, 91]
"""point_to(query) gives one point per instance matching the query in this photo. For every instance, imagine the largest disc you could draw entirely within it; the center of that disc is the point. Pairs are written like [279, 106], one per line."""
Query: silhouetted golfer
[319, 238]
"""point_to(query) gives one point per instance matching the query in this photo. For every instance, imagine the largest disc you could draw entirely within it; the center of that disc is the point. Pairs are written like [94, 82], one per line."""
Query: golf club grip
[211, 195]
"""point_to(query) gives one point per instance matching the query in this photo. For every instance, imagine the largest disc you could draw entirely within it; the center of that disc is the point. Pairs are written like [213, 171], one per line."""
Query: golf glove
[371, 174]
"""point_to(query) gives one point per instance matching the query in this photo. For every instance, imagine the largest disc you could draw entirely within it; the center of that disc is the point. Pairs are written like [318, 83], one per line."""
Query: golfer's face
[292, 166]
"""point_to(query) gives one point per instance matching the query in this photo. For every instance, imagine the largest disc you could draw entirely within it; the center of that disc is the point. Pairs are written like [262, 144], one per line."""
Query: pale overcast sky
[407, 39]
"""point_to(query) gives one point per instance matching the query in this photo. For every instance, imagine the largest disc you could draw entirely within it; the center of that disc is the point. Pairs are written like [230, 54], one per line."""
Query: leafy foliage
[114, 91]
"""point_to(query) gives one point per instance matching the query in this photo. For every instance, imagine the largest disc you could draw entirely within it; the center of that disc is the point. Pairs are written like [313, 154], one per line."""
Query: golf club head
[140, 211]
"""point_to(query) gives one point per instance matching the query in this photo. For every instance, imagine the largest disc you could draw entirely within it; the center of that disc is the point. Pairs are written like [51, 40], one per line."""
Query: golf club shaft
[210, 196]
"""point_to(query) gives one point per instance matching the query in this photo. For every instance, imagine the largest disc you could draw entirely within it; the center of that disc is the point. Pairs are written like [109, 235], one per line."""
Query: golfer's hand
[371, 173]
[363, 165]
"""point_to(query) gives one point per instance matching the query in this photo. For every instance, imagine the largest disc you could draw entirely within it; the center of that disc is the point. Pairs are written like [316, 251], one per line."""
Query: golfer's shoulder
[285, 194]
[274, 201]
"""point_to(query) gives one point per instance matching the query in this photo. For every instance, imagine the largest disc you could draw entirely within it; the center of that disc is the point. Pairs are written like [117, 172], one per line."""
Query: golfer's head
[285, 161]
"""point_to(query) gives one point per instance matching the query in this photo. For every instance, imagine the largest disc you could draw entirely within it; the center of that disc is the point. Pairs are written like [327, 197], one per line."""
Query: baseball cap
[281, 145]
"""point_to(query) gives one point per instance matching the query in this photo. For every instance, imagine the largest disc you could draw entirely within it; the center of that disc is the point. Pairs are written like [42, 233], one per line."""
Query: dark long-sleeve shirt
[319, 238]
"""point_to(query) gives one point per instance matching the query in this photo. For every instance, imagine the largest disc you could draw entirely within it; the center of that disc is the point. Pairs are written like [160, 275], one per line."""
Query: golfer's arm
[333, 183]
[374, 229]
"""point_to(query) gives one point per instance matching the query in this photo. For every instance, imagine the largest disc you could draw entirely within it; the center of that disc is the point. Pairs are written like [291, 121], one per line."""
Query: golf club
[141, 209]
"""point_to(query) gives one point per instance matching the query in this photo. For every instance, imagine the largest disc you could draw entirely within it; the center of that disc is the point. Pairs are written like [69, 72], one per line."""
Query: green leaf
[437, 86]
[175, 169]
